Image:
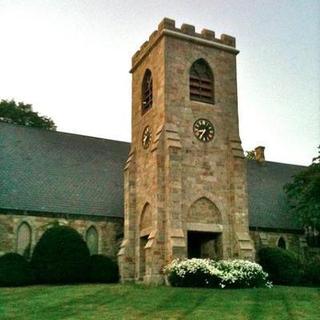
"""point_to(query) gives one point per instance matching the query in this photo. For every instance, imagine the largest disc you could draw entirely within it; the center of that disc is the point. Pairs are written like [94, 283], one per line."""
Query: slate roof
[59, 172]
[56, 172]
[267, 201]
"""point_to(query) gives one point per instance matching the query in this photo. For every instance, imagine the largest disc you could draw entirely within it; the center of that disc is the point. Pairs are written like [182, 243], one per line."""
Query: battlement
[187, 32]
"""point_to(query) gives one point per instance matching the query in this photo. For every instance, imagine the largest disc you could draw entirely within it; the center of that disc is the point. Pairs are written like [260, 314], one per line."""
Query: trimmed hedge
[216, 274]
[312, 272]
[283, 266]
[103, 269]
[61, 256]
[15, 270]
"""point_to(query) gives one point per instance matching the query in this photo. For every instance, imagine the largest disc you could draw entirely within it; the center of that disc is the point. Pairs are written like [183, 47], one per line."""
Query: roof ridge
[60, 132]
[281, 163]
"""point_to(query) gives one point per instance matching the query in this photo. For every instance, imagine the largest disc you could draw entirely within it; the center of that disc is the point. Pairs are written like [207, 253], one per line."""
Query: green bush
[312, 272]
[283, 266]
[15, 270]
[216, 274]
[61, 256]
[103, 269]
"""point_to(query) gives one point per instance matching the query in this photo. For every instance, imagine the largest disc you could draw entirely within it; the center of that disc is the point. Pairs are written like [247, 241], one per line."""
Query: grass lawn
[140, 302]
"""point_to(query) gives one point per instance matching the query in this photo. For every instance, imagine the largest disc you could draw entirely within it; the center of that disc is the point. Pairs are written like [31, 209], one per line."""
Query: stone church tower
[185, 179]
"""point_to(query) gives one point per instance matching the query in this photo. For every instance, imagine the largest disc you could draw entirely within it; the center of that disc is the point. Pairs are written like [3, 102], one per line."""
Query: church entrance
[204, 245]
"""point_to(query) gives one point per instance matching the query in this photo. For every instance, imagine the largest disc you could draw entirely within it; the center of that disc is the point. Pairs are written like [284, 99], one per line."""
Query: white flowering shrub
[209, 273]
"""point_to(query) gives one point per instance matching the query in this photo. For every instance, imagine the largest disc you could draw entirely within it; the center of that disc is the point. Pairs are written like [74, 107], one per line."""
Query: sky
[71, 61]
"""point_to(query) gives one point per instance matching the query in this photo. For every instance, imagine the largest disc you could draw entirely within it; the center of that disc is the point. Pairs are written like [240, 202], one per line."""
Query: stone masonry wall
[204, 211]
[177, 169]
[294, 241]
[216, 169]
[109, 230]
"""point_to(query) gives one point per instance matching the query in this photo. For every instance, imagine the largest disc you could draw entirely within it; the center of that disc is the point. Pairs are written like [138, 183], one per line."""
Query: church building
[182, 188]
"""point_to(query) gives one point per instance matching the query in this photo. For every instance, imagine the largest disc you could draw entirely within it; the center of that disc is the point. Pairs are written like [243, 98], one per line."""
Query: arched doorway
[145, 229]
[204, 230]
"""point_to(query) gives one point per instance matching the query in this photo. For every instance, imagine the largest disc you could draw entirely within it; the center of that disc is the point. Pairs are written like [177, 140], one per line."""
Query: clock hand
[203, 132]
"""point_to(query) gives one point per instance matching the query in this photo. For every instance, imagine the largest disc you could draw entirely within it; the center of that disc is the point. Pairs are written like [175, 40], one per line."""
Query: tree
[20, 113]
[61, 256]
[15, 270]
[303, 195]
[250, 155]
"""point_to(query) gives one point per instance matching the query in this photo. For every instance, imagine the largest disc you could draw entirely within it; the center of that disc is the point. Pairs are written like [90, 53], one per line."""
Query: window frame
[27, 249]
[147, 91]
[96, 234]
[282, 243]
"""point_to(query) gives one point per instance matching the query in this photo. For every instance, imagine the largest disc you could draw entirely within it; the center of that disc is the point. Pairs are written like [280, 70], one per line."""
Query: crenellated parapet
[187, 32]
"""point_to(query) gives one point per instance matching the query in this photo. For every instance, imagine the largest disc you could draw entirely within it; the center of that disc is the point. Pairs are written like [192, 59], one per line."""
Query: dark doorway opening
[282, 243]
[142, 269]
[204, 245]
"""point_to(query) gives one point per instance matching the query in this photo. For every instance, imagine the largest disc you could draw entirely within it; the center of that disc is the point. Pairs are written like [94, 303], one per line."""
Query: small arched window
[147, 91]
[201, 82]
[92, 240]
[281, 243]
[24, 240]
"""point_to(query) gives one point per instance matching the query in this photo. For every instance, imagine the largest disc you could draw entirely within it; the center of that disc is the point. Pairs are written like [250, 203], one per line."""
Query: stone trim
[236, 147]
[205, 227]
[156, 139]
[266, 229]
[204, 42]
[186, 32]
[123, 247]
[146, 231]
[57, 215]
[130, 156]
[151, 239]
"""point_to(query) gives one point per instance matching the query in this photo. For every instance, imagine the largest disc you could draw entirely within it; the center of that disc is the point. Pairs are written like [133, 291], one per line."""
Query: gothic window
[147, 91]
[92, 240]
[281, 243]
[24, 240]
[201, 82]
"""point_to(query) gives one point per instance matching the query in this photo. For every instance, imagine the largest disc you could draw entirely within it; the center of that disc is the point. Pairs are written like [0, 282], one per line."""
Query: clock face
[146, 137]
[203, 129]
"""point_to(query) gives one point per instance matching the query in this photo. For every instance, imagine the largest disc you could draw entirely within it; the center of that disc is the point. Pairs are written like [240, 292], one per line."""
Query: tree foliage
[103, 269]
[250, 155]
[303, 194]
[283, 266]
[22, 114]
[61, 256]
[15, 270]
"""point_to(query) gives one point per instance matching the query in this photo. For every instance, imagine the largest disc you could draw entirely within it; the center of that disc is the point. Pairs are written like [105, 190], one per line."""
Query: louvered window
[201, 82]
[147, 91]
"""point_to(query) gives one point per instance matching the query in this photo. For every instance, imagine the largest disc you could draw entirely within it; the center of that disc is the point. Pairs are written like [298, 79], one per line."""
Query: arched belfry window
[24, 240]
[282, 243]
[201, 82]
[147, 91]
[92, 240]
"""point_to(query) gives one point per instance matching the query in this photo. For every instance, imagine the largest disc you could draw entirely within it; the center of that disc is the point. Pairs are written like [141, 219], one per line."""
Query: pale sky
[71, 61]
